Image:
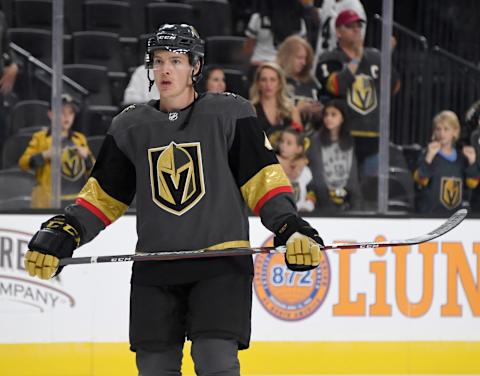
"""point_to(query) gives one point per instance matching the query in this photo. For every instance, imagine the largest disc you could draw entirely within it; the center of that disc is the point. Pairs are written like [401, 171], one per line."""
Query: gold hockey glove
[302, 241]
[56, 239]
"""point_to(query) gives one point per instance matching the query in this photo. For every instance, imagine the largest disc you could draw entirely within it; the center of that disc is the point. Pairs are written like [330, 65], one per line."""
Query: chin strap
[150, 81]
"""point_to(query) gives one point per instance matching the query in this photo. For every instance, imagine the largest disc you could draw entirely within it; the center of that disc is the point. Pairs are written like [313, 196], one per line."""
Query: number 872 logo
[290, 295]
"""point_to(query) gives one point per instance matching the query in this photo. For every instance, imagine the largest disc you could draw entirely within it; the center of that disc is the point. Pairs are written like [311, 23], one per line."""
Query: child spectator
[291, 155]
[275, 110]
[333, 162]
[295, 56]
[76, 158]
[443, 170]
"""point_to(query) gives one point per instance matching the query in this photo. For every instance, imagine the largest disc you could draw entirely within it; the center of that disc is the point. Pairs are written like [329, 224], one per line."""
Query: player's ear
[196, 68]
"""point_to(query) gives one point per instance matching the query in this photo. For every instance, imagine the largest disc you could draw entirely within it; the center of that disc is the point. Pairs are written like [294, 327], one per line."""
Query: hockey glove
[56, 239]
[302, 242]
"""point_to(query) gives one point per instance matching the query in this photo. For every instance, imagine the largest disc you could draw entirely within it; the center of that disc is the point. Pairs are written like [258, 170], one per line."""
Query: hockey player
[186, 156]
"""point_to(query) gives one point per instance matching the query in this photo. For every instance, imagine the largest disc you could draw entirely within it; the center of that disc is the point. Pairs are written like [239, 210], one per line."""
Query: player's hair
[285, 105]
[345, 140]
[449, 118]
[286, 52]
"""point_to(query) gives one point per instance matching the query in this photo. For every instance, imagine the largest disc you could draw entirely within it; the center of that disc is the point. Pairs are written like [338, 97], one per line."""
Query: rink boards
[384, 311]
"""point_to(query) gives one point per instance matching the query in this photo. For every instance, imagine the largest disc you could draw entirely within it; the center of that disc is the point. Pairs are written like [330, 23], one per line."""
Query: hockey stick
[448, 225]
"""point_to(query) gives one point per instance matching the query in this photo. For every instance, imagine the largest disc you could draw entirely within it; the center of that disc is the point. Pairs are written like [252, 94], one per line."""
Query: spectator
[291, 155]
[267, 28]
[333, 163]
[8, 74]
[215, 80]
[352, 73]
[275, 110]
[443, 170]
[327, 38]
[76, 158]
[139, 89]
[295, 56]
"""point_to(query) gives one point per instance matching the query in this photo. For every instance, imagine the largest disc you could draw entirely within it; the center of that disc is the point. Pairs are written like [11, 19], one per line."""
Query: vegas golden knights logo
[73, 165]
[362, 95]
[451, 192]
[176, 175]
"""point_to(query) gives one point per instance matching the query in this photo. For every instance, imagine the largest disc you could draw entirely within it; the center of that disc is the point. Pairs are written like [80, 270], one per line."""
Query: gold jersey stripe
[264, 181]
[230, 244]
[93, 193]
[364, 133]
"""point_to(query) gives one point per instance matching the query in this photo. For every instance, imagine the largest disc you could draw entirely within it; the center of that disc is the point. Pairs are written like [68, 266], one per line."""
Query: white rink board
[90, 302]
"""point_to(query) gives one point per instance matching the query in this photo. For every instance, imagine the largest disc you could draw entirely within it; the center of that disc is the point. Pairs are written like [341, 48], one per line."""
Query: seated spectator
[443, 170]
[76, 158]
[352, 73]
[215, 80]
[295, 56]
[291, 155]
[274, 21]
[139, 89]
[333, 164]
[275, 110]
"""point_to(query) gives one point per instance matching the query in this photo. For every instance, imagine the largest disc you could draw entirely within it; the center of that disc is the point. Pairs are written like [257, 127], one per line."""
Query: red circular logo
[290, 295]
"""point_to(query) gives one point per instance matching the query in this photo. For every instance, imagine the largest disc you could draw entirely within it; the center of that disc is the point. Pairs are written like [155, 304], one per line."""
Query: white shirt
[137, 89]
[264, 47]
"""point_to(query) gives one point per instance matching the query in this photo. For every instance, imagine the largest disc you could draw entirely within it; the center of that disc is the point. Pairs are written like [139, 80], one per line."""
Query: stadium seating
[16, 189]
[110, 16]
[204, 9]
[226, 51]
[98, 48]
[27, 114]
[97, 119]
[13, 149]
[94, 78]
[160, 13]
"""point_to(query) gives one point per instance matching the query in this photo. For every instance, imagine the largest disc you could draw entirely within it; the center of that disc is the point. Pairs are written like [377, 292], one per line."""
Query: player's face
[216, 81]
[444, 134]
[172, 72]
[299, 60]
[332, 118]
[288, 146]
[268, 83]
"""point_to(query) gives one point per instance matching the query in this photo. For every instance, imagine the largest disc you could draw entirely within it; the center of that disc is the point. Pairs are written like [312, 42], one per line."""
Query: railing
[432, 79]
[36, 72]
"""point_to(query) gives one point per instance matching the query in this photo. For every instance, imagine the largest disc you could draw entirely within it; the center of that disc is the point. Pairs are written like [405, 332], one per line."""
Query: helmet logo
[172, 116]
[166, 37]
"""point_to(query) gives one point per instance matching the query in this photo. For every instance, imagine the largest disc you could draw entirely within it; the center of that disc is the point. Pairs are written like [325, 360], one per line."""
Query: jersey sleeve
[263, 184]
[108, 192]
[334, 75]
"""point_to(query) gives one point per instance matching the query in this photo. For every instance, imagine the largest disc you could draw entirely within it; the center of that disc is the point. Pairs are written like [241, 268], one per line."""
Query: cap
[67, 99]
[347, 17]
